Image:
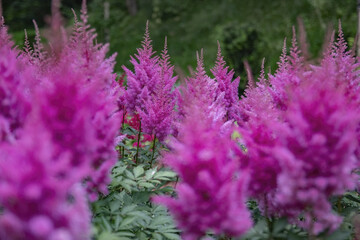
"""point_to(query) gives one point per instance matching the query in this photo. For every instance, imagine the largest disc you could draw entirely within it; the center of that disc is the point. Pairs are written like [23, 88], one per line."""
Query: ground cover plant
[86, 153]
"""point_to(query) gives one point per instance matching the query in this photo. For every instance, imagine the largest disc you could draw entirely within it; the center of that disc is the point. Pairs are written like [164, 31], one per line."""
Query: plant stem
[338, 203]
[138, 144]
[122, 149]
[153, 151]
[269, 221]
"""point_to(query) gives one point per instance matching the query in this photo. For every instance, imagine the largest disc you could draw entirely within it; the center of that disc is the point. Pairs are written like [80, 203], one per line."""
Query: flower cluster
[211, 192]
[61, 109]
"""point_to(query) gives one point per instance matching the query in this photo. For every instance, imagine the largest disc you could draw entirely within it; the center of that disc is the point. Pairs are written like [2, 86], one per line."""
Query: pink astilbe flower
[211, 190]
[316, 153]
[225, 84]
[257, 102]
[88, 55]
[260, 140]
[14, 106]
[159, 114]
[37, 203]
[202, 90]
[65, 110]
[142, 82]
[288, 74]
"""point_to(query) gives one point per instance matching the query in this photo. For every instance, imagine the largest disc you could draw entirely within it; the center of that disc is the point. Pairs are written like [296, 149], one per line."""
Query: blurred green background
[247, 30]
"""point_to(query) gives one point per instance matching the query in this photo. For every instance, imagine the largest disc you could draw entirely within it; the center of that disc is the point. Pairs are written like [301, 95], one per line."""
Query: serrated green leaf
[164, 174]
[128, 209]
[125, 234]
[108, 236]
[156, 236]
[106, 224]
[171, 236]
[146, 185]
[150, 173]
[141, 215]
[126, 221]
[138, 171]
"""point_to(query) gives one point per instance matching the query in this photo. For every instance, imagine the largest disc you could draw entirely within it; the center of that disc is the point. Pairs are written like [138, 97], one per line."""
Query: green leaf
[171, 236]
[138, 171]
[108, 236]
[146, 185]
[150, 173]
[126, 221]
[128, 209]
[164, 175]
[106, 224]
[339, 235]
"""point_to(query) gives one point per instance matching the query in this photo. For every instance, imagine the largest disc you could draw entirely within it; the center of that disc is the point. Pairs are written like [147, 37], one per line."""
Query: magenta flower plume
[288, 74]
[90, 57]
[158, 116]
[35, 198]
[211, 190]
[316, 151]
[257, 102]
[141, 83]
[260, 140]
[201, 90]
[14, 105]
[225, 84]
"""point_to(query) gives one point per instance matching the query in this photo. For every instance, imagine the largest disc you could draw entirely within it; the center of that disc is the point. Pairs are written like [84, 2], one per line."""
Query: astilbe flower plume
[37, 203]
[257, 102]
[202, 90]
[88, 55]
[211, 191]
[141, 83]
[159, 114]
[225, 84]
[316, 151]
[287, 75]
[14, 105]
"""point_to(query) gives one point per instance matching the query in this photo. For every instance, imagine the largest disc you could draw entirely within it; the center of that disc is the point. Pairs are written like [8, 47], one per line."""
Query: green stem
[153, 151]
[269, 221]
[138, 144]
[338, 203]
[122, 149]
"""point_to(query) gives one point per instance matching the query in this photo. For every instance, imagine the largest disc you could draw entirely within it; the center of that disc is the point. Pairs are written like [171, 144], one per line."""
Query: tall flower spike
[142, 82]
[36, 202]
[226, 86]
[202, 90]
[316, 151]
[158, 115]
[206, 202]
[14, 106]
[288, 74]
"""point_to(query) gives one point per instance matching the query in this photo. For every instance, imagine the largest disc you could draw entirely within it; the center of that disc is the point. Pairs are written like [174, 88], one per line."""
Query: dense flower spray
[225, 84]
[211, 191]
[38, 203]
[316, 151]
[142, 82]
[287, 75]
[67, 136]
[159, 109]
[14, 106]
[202, 90]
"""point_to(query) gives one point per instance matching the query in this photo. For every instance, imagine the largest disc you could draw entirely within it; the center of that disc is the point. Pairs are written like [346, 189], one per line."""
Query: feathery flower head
[35, 198]
[158, 115]
[141, 83]
[316, 151]
[211, 190]
[288, 74]
[225, 84]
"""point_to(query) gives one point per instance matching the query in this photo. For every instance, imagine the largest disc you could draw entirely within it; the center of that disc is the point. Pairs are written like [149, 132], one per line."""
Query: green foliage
[247, 30]
[127, 211]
